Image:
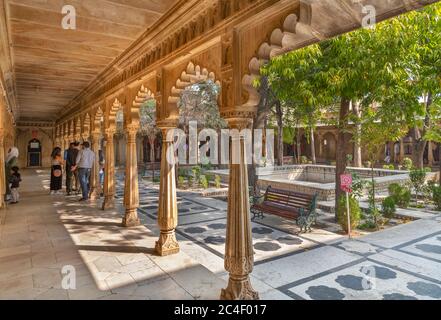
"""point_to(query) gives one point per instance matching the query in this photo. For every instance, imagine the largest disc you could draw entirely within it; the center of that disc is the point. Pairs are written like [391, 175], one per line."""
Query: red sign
[346, 182]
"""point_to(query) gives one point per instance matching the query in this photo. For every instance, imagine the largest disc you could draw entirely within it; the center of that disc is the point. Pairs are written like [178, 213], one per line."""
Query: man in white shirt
[84, 164]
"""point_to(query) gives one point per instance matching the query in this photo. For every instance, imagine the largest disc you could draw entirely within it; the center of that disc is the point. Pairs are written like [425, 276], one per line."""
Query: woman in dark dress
[57, 172]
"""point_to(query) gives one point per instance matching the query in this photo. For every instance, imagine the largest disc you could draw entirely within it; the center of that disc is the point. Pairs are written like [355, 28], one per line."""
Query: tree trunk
[357, 146]
[279, 114]
[439, 161]
[259, 123]
[152, 156]
[419, 144]
[341, 150]
[312, 139]
[299, 146]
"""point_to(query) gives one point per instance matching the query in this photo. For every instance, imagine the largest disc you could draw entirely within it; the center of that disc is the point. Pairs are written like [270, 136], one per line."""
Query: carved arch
[77, 126]
[71, 128]
[143, 95]
[87, 125]
[295, 33]
[192, 75]
[97, 118]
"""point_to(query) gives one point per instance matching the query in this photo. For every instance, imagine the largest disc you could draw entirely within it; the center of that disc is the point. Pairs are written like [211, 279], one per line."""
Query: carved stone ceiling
[53, 65]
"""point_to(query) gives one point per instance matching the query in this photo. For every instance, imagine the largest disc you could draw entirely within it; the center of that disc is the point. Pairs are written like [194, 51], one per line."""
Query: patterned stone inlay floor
[368, 281]
[325, 265]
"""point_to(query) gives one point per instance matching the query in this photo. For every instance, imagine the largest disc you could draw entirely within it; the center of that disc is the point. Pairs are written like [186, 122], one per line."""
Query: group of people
[78, 160]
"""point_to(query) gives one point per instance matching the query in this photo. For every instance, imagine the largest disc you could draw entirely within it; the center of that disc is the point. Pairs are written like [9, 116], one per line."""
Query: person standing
[84, 163]
[10, 162]
[15, 184]
[71, 158]
[56, 172]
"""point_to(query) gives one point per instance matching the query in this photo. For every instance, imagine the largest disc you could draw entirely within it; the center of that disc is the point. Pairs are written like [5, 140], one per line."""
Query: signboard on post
[346, 183]
[346, 186]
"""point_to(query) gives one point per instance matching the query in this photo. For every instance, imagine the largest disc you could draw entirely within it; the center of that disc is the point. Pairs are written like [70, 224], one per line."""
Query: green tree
[329, 75]
[149, 129]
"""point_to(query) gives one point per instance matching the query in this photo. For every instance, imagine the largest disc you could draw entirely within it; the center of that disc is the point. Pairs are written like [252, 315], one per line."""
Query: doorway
[34, 153]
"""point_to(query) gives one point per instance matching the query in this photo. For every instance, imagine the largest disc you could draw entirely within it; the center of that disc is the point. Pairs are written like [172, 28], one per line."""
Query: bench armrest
[254, 199]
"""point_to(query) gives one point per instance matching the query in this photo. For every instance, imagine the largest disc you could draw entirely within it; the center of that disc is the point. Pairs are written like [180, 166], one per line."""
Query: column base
[239, 288]
[95, 195]
[108, 203]
[167, 244]
[131, 219]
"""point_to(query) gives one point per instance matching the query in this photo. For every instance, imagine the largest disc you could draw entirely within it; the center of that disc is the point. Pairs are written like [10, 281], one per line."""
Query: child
[15, 180]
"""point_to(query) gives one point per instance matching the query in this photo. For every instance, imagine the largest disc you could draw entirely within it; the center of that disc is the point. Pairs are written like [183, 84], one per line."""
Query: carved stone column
[168, 209]
[2, 169]
[109, 175]
[95, 184]
[67, 141]
[239, 253]
[131, 192]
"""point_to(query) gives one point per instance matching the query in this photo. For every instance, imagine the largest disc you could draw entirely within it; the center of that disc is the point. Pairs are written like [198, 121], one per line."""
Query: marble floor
[43, 234]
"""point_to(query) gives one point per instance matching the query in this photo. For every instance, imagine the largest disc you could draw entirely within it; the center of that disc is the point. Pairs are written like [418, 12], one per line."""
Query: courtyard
[225, 150]
[112, 262]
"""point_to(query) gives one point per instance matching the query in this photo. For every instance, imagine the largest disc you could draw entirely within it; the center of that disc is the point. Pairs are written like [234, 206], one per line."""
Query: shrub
[374, 217]
[418, 179]
[304, 160]
[181, 181]
[203, 181]
[389, 207]
[400, 194]
[358, 186]
[217, 181]
[196, 172]
[389, 167]
[354, 211]
[436, 197]
[407, 164]
[190, 180]
[349, 159]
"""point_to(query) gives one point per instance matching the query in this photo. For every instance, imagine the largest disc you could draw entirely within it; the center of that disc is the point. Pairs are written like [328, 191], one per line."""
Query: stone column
[95, 184]
[131, 192]
[109, 175]
[67, 141]
[168, 208]
[239, 252]
[2, 169]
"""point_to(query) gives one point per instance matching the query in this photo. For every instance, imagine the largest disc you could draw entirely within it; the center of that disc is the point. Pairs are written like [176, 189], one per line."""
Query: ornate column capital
[96, 135]
[238, 117]
[132, 129]
[110, 131]
[166, 124]
[85, 136]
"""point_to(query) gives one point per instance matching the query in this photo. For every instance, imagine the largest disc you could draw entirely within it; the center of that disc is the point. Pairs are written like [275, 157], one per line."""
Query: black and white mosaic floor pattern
[362, 278]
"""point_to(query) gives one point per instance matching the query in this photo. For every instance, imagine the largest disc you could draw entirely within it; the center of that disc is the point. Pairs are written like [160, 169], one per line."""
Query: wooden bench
[287, 204]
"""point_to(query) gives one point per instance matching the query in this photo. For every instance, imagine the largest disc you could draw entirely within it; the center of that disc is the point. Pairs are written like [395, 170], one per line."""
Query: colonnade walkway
[43, 234]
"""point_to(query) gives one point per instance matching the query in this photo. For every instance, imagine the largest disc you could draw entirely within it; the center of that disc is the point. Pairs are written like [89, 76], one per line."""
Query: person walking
[15, 184]
[56, 172]
[84, 163]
